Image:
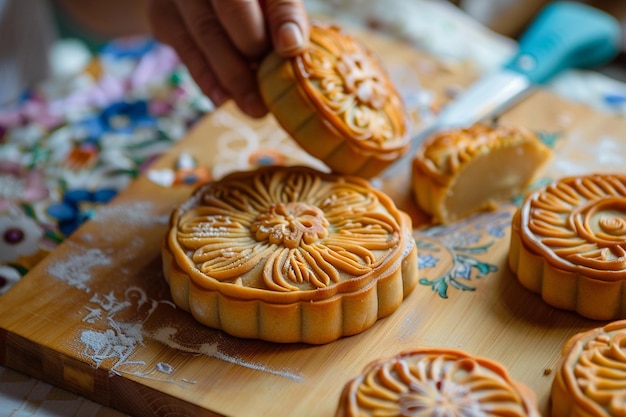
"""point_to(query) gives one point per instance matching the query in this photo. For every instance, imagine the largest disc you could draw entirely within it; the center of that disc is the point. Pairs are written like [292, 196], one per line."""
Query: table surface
[58, 173]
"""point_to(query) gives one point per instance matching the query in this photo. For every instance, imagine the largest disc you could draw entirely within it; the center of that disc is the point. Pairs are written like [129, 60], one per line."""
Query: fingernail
[253, 105]
[289, 37]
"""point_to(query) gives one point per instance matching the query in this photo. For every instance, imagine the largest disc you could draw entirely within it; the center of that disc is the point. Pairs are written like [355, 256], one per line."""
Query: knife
[564, 35]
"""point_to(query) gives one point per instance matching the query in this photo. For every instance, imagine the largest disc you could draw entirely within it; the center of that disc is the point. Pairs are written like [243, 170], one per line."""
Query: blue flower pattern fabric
[67, 151]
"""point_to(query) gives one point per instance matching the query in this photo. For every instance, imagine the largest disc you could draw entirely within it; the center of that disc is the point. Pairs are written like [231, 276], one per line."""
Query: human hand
[222, 41]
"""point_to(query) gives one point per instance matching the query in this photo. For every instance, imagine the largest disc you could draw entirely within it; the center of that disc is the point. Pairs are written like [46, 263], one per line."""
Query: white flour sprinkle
[164, 335]
[138, 213]
[87, 238]
[116, 337]
[409, 326]
[166, 368]
[75, 270]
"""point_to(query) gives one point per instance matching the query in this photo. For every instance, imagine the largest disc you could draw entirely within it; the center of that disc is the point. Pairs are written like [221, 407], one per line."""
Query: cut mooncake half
[568, 243]
[591, 377]
[460, 172]
[435, 382]
[337, 102]
[289, 254]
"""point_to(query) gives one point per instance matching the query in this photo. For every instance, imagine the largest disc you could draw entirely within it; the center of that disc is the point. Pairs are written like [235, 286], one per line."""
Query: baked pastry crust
[568, 243]
[591, 378]
[289, 254]
[337, 102]
[435, 382]
[459, 172]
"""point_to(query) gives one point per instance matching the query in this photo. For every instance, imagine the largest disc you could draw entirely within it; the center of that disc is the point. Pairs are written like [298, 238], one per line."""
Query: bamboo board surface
[95, 317]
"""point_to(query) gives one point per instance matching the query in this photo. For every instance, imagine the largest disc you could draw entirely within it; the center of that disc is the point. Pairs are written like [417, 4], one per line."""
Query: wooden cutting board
[95, 317]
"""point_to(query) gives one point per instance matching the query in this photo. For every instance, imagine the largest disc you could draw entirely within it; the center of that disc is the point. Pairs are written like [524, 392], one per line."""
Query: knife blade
[564, 35]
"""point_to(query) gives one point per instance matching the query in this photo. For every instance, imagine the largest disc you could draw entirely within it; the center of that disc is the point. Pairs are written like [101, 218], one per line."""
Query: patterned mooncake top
[287, 230]
[579, 224]
[350, 88]
[436, 382]
[444, 154]
[594, 369]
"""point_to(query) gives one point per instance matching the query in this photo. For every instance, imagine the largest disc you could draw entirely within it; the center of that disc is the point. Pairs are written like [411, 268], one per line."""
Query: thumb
[288, 24]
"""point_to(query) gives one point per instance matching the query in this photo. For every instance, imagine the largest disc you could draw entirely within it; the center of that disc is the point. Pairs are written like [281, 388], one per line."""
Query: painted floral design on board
[461, 246]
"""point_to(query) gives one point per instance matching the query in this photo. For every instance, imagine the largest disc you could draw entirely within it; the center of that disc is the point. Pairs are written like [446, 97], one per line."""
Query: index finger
[244, 23]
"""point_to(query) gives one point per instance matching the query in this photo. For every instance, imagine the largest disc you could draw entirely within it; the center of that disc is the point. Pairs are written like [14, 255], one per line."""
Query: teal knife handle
[566, 35]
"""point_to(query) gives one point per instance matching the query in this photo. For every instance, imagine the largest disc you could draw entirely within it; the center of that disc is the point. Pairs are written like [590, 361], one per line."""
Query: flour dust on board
[123, 315]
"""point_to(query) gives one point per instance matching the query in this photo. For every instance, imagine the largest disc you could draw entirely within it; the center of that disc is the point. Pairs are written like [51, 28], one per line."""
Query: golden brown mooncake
[289, 254]
[459, 172]
[591, 377]
[435, 382]
[568, 243]
[337, 102]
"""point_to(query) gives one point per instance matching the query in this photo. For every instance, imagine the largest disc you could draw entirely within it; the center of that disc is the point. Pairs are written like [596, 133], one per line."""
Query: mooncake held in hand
[435, 382]
[460, 172]
[289, 254]
[591, 378]
[337, 101]
[568, 243]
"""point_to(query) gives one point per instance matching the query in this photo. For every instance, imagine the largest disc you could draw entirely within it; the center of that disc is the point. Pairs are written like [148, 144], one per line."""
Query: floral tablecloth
[78, 139]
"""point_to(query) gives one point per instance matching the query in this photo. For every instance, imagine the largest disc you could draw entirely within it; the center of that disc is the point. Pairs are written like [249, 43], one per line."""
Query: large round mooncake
[337, 101]
[289, 254]
[568, 243]
[591, 378]
[458, 172]
[435, 382]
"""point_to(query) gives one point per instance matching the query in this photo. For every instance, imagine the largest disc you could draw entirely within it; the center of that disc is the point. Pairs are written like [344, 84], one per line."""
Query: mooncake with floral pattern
[337, 101]
[435, 382]
[568, 243]
[289, 254]
[591, 378]
[459, 172]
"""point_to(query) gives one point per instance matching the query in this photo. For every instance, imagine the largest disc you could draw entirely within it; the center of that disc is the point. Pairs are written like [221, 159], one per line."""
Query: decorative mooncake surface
[436, 382]
[337, 102]
[458, 172]
[591, 379]
[289, 255]
[568, 243]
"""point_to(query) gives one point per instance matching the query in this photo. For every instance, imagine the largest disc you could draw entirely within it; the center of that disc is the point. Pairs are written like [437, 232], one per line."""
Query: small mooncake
[338, 103]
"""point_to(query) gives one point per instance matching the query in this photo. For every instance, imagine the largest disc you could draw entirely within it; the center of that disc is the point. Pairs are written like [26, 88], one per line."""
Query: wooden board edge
[96, 384]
